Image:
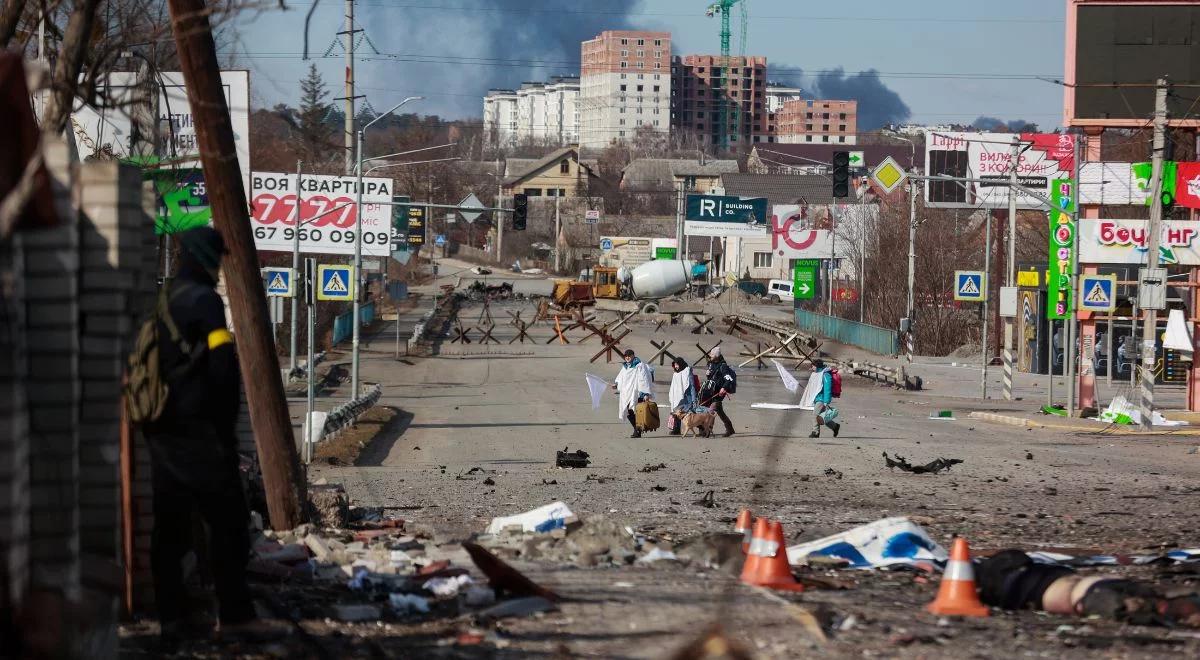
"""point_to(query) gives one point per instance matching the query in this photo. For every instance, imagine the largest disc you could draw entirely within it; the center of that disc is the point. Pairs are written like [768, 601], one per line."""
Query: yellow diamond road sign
[888, 175]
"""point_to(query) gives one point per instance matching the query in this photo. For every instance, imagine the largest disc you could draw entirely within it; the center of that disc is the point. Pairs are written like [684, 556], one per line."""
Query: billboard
[801, 231]
[111, 130]
[723, 215]
[327, 215]
[1124, 242]
[626, 251]
[1115, 52]
[987, 156]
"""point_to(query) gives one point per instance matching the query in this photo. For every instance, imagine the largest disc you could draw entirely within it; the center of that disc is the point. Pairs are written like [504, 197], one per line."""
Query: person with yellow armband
[194, 449]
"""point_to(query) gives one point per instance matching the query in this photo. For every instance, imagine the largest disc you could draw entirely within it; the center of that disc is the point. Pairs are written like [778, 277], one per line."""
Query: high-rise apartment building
[816, 121]
[542, 113]
[778, 94]
[500, 117]
[624, 86]
[703, 89]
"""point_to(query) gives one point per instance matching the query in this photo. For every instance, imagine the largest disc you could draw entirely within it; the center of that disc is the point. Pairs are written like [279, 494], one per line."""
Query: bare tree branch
[70, 64]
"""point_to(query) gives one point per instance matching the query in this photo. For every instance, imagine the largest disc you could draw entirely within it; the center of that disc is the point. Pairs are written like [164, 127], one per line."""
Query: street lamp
[912, 238]
[358, 243]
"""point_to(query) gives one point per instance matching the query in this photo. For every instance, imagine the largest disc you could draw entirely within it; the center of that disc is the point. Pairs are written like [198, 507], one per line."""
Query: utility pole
[295, 269]
[1010, 275]
[912, 267]
[348, 129]
[1069, 331]
[679, 251]
[282, 476]
[987, 272]
[500, 221]
[357, 275]
[557, 231]
[832, 260]
[1153, 238]
[310, 282]
[862, 256]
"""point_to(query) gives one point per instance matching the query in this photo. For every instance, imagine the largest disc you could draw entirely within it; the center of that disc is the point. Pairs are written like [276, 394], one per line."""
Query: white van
[780, 291]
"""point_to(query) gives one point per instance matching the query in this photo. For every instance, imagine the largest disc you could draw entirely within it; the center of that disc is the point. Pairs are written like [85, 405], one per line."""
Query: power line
[418, 58]
[599, 12]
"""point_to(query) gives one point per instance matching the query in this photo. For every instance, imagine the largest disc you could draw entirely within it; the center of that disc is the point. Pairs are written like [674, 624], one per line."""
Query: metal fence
[873, 338]
[343, 327]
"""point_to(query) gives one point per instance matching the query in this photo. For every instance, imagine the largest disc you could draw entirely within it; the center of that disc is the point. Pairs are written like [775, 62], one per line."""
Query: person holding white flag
[634, 384]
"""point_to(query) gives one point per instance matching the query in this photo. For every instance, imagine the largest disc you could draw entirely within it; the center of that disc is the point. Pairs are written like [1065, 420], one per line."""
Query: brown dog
[700, 423]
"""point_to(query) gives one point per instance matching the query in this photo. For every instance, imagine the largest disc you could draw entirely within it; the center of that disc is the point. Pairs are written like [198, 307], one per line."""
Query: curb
[1010, 420]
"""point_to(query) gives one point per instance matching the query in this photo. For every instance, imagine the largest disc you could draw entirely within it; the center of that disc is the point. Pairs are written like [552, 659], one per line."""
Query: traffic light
[841, 174]
[520, 211]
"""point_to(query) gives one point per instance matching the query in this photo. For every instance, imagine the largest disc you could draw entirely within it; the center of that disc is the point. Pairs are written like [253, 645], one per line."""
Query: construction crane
[727, 112]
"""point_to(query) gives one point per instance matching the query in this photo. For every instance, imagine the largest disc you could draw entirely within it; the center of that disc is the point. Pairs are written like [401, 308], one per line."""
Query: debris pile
[366, 567]
[597, 541]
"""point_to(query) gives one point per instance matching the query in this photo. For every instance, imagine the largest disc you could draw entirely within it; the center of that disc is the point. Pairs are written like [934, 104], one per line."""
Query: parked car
[753, 288]
[780, 291]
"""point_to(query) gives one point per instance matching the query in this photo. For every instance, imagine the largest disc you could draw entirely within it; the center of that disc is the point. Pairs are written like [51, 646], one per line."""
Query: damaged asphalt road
[514, 424]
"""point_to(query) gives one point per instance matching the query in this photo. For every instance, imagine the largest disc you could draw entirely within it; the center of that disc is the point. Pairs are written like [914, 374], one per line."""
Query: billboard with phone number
[328, 215]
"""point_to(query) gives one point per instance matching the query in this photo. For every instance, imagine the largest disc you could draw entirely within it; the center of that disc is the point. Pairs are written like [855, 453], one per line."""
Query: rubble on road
[597, 540]
[933, 467]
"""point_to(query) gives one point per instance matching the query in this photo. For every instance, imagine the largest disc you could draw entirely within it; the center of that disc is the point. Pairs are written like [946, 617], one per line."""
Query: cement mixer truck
[641, 288]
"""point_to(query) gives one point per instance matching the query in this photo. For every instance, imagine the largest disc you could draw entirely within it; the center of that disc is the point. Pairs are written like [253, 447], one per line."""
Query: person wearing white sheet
[683, 392]
[634, 384]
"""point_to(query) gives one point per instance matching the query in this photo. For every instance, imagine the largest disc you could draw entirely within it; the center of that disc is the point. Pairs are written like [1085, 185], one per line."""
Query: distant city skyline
[947, 61]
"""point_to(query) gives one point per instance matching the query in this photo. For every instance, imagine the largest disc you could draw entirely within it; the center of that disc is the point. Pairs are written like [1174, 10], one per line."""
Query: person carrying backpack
[831, 387]
[719, 382]
[183, 391]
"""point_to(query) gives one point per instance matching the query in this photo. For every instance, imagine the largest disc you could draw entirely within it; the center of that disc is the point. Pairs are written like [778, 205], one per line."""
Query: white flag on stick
[596, 386]
[789, 381]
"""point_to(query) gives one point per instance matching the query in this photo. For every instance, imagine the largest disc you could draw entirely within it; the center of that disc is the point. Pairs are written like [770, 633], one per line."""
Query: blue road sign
[280, 282]
[335, 282]
[1097, 293]
[970, 285]
[440, 240]
[606, 244]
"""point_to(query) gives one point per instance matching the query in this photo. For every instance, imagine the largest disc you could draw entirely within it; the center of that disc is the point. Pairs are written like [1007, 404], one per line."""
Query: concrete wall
[72, 298]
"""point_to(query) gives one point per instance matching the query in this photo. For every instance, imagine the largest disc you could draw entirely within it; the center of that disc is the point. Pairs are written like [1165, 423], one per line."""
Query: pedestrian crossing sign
[1098, 293]
[336, 282]
[281, 283]
[970, 285]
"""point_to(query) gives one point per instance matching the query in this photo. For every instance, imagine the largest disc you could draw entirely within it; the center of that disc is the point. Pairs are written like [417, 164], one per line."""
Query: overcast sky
[945, 59]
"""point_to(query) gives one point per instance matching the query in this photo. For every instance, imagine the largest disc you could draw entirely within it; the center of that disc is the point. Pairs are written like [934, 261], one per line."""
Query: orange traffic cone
[757, 537]
[742, 526]
[957, 595]
[767, 564]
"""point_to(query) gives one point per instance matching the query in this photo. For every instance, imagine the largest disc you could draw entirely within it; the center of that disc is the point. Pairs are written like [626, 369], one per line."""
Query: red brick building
[700, 83]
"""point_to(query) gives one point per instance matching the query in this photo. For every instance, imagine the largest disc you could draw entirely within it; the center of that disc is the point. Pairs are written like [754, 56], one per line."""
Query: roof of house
[801, 155]
[514, 175]
[479, 167]
[781, 188]
[661, 172]
[517, 166]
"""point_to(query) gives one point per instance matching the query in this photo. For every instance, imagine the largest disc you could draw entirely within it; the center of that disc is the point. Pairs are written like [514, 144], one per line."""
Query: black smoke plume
[986, 123]
[878, 105]
[496, 44]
